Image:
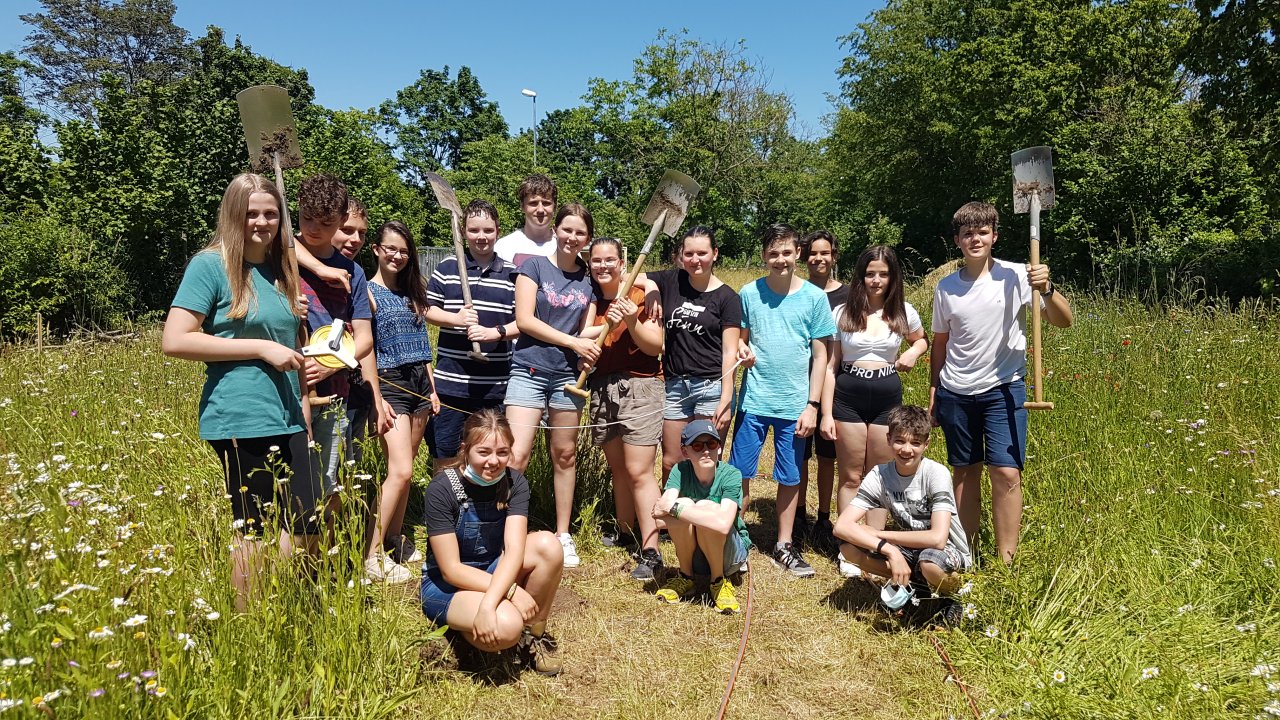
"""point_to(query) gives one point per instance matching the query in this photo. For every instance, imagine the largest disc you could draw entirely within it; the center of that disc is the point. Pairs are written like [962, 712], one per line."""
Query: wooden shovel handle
[623, 289]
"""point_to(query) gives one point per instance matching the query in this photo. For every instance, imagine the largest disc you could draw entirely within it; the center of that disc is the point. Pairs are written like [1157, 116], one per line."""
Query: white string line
[540, 424]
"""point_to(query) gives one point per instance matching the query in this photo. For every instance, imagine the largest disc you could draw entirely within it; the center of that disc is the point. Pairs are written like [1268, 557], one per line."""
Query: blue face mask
[476, 478]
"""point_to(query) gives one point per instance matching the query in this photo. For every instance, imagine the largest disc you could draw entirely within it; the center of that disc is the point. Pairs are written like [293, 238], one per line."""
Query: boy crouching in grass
[700, 506]
[930, 548]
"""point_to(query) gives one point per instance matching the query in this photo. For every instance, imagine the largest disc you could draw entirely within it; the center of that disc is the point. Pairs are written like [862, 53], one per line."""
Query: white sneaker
[848, 569]
[381, 568]
[571, 559]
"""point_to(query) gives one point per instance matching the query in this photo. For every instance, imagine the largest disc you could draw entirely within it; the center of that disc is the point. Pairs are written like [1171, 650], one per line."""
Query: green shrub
[56, 270]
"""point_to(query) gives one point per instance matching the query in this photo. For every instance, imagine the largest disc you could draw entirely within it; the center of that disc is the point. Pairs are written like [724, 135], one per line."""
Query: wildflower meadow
[1145, 585]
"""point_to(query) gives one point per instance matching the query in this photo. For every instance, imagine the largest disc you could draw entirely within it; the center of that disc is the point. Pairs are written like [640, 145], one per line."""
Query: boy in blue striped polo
[465, 385]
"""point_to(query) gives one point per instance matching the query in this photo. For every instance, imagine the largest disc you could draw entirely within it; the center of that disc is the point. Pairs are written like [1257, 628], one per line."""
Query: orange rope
[951, 668]
[742, 649]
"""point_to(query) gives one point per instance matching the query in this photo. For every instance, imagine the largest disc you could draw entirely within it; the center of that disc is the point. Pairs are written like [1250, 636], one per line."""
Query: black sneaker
[625, 541]
[648, 566]
[788, 558]
[951, 614]
[822, 537]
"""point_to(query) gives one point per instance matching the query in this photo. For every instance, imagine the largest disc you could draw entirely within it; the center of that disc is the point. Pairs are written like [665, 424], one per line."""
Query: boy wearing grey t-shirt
[929, 547]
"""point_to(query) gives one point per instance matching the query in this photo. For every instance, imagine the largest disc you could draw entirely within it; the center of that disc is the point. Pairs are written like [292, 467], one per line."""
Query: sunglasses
[703, 445]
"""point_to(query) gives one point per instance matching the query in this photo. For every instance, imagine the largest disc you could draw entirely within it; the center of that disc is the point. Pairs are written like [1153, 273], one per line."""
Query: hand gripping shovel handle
[458, 252]
[1038, 403]
[623, 289]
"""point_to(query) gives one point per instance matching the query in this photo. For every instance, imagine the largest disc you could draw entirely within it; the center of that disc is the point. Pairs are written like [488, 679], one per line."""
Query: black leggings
[866, 396]
[277, 475]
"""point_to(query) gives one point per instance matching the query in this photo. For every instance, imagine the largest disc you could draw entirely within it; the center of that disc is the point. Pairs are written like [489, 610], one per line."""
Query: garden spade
[1032, 192]
[448, 200]
[664, 214]
[272, 138]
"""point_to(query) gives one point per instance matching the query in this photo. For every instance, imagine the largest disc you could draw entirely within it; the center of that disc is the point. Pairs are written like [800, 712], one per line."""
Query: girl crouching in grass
[487, 577]
[236, 310]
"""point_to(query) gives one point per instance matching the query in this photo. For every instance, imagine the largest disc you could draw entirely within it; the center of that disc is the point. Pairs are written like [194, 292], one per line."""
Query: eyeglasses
[704, 445]
[393, 253]
[607, 262]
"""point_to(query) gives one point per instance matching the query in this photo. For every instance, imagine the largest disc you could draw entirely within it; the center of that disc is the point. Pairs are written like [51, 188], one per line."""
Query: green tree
[75, 44]
[24, 167]
[938, 94]
[433, 119]
[701, 108]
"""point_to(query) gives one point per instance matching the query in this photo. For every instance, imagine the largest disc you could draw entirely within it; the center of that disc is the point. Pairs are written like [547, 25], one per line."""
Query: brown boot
[539, 653]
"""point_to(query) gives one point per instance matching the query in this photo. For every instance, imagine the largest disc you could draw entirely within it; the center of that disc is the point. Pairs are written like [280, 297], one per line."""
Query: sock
[713, 582]
[824, 517]
[781, 545]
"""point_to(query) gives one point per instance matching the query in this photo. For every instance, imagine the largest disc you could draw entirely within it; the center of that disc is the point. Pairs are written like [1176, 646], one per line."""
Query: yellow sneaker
[722, 593]
[676, 589]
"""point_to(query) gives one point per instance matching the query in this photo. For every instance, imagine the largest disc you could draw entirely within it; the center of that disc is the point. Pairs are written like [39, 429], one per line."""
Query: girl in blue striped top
[403, 348]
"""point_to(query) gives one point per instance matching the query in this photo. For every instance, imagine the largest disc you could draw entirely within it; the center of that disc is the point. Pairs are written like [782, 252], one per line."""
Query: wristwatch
[880, 546]
[815, 404]
[502, 330]
[675, 510]
[1049, 292]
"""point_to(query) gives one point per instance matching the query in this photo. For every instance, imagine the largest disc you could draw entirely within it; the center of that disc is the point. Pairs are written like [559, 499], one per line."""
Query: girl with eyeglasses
[627, 396]
[403, 350]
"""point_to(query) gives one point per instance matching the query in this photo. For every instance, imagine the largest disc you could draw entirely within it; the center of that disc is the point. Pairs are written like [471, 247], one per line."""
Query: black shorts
[866, 396]
[276, 477]
[825, 448]
[410, 397]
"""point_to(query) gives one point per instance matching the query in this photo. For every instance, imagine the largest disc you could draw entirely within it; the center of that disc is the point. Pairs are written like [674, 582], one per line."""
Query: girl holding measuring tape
[236, 310]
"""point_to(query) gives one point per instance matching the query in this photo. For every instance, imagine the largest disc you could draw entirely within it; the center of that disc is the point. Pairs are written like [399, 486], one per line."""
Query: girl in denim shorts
[702, 318]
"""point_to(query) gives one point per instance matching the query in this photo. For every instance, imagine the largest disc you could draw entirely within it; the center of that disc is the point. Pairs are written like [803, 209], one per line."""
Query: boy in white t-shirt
[928, 548]
[536, 238]
[977, 368]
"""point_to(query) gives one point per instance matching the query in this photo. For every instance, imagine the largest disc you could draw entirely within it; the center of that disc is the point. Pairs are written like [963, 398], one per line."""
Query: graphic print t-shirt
[694, 321]
[327, 303]
[562, 301]
[912, 501]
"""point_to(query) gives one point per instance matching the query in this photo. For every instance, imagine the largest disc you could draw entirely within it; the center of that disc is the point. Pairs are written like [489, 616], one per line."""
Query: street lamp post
[533, 96]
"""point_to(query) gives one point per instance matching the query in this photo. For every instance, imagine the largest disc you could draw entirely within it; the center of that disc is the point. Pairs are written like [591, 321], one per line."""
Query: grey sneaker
[648, 566]
[788, 558]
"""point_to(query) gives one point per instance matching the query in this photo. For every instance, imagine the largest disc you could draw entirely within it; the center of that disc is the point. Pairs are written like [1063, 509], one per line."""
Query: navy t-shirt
[562, 300]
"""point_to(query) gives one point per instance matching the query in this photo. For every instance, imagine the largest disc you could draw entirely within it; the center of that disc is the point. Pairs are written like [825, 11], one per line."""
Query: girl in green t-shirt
[236, 310]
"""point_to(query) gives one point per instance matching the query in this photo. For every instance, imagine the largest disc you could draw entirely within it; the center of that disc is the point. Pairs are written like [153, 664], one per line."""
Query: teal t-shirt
[242, 398]
[783, 328]
[726, 485]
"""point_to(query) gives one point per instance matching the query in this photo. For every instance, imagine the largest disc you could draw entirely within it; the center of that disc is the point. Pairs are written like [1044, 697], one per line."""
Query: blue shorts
[437, 593]
[532, 388]
[989, 427]
[748, 441]
[689, 397]
[735, 556]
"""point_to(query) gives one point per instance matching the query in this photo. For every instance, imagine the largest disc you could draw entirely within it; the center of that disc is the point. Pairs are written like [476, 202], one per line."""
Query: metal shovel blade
[1032, 172]
[675, 191]
[268, 126]
[445, 195]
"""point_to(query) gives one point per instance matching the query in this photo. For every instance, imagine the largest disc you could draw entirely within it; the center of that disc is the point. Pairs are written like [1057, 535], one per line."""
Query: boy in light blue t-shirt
[787, 322]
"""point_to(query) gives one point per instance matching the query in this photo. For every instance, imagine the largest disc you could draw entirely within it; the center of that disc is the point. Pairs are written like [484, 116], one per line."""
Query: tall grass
[1151, 534]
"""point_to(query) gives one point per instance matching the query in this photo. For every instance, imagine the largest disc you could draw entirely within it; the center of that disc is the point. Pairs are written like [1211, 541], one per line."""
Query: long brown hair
[409, 280]
[856, 306]
[482, 424]
[228, 242]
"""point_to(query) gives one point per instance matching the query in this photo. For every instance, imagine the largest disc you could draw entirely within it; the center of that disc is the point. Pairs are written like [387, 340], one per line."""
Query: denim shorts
[989, 427]
[436, 593]
[533, 388]
[748, 441]
[735, 556]
[332, 432]
[689, 397]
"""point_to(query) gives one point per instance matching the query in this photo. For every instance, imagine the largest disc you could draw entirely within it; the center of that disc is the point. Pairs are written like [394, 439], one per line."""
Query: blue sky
[358, 54]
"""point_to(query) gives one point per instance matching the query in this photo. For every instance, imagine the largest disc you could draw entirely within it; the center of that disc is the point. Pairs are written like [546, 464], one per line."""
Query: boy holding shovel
[977, 368]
